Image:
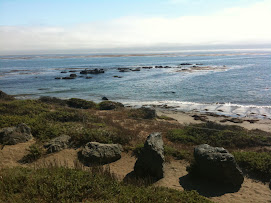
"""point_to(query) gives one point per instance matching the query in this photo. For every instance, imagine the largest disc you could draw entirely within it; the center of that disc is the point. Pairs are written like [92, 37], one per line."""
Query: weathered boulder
[14, 135]
[98, 153]
[218, 164]
[110, 105]
[150, 162]
[57, 144]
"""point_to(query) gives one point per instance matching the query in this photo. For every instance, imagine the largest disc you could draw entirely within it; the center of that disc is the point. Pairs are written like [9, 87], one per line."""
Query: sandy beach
[193, 117]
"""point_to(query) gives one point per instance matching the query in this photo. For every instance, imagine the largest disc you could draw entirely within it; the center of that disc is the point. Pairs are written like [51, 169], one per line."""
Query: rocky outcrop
[57, 144]
[104, 98]
[14, 135]
[150, 162]
[218, 164]
[98, 153]
[94, 71]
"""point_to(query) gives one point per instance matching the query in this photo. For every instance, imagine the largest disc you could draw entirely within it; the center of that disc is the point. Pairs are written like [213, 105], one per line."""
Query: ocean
[228, 82]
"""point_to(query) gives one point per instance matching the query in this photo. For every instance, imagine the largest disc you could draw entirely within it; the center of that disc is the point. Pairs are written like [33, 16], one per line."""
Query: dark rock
[104, 98]
[136, 69]
[252, 120]
[73, 75]
[14, 135]
[218, 164]
[158, 66]
[4, 96]
[58, 78]
[68, 78]
[94, 71]
[72, 71]
[88, 77]
[185, 64]
[63, 72]
[199, 64]
[270, 184]
[147, 67]
[57, 144]
[199, 117]
[110, 105]
[150, 162]
[124, 70]
[96, 153]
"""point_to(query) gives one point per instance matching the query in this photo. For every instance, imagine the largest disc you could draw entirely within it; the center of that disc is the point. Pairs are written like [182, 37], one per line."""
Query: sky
[29, 26]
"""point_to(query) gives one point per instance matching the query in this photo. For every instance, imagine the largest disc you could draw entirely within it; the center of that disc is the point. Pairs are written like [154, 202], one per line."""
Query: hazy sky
[50, 25]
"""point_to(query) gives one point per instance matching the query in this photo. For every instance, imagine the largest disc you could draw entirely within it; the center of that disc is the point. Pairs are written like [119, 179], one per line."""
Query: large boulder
[218, 164]
[14, 135]
[57, 144]
[150, 162]
[98, 153]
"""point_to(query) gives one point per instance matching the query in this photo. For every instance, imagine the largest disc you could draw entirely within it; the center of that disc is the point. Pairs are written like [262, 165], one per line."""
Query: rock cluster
[150, 162]
[14, 135]
[57, 144]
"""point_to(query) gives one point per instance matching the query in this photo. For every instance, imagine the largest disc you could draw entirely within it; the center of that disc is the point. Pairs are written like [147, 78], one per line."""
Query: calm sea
[237, 82]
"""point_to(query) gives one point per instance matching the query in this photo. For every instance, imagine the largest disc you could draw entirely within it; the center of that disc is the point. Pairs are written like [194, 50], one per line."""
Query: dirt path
[176, 178]
[11, 154]
[175, 174]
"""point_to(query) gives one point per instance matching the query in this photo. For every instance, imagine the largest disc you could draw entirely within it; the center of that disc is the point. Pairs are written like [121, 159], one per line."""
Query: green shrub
[178, 154]
[34, 153]
[5, 97]
[81, 103]
[218, 135]
[53, 100]
[110, 105]
[142, 113]
[73, 185]
[257, 164]
[168, 150]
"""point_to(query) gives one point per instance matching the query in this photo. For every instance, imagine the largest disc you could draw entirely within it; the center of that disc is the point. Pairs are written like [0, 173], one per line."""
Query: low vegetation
[255, 164]
[219, 135]
[35, 151]
[74, 185]
[85, 121]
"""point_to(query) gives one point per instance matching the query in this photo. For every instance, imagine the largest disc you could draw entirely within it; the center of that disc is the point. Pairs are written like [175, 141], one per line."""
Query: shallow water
[241, 88]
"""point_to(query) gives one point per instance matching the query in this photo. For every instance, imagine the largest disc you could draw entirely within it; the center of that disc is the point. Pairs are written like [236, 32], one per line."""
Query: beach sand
[186, 118]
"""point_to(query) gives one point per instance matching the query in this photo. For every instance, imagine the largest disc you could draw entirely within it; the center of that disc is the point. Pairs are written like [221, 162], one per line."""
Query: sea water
[238, 84]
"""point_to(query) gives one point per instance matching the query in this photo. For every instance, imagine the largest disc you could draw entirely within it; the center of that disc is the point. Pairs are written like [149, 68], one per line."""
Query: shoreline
[195, 117]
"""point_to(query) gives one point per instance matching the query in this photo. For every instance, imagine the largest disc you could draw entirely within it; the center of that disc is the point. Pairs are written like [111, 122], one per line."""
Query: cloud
[235, 25]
